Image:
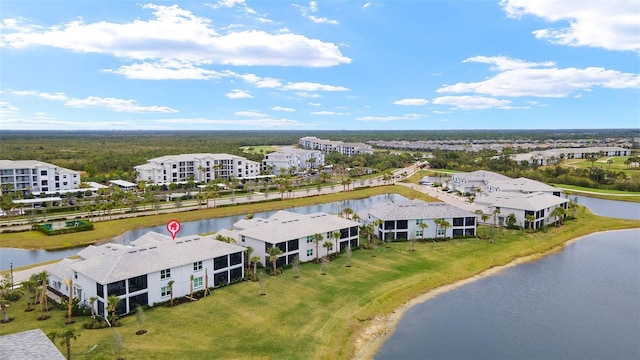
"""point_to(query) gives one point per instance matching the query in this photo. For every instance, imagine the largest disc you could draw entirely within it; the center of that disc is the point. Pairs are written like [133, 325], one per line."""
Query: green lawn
[601, 193]
[617, 165]
[263, 149]
[314, 316]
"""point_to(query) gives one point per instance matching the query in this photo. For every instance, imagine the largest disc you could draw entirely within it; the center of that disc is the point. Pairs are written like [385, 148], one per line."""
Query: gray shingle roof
[417, 209]
[30, 344]
[522, 184]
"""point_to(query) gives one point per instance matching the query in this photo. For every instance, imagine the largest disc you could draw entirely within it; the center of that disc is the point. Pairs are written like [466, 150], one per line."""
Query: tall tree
[65, 337]
[336, 236]
[170, 284]
[255, 260]
[69, 283]
[191, 278]
[5, 286]
[112, 306]
[316, 240]
[274, 253]
[422, 227]
[92, 301]
[328, 245]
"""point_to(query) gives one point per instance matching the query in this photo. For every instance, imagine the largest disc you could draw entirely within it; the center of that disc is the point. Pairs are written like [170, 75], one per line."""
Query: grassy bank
[314, 316]
[600, 193]
[106, 230]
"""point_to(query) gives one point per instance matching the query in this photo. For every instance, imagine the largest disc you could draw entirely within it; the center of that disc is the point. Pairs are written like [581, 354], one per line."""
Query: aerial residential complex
[552, 156]
[402, 221]
[139, 274]
[347, 149]
[297, 159]
[35, 176]
[197, 167]
[294, 234]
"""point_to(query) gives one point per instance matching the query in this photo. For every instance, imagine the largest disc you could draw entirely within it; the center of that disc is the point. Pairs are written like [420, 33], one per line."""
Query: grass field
[314, 316]
[617, 164]
[601, 193]
[258, 149]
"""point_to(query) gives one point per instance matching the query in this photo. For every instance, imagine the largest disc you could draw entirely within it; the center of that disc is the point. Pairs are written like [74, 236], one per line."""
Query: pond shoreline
[381, 327]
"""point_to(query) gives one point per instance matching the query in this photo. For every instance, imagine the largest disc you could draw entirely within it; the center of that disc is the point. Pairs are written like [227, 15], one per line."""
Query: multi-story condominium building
[139, 274]
[417, 220]
[32, 175]
[198, 167]
[297, 159]
[348, 149]
[294, 234]
[537, 204]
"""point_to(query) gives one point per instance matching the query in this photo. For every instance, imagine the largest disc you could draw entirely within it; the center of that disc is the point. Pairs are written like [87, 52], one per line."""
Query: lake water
[611, 208]
[21, 257]
[580, 303]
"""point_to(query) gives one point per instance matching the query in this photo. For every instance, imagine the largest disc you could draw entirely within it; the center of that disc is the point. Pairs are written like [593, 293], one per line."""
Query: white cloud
[309, 86]
[280, 108]
[166, 70]
[307, 95]
[329, 113]
[415, 102]
[515, 81]
[471, 102]
[253, 114]
[157, 39]
[57, 96]
[314, 104]
[610, 24]
[505, 63]
[238, 94]
[389, 118]
[227, 3]
[366, 5]
[119, 105]
[6, 108]
[313, 8]
[261, 123]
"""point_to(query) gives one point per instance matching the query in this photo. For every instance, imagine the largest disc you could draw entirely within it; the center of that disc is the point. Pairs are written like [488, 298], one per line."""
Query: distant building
[347, 149]
[401, 221]
[36, 176]
[139, 274]
[298, 159]
[293, 233]
[468, 182]
[197, 167]
[552, 156]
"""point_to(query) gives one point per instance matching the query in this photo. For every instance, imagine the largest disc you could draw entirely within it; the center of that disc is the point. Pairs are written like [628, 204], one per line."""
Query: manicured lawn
[256, 149]
[617, 165]
[106, 230]
[314, 316]
[601, 193]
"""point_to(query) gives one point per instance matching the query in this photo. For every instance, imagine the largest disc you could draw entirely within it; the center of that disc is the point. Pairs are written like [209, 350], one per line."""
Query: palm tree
[28, 288]
[66, 336]
[437, 222]
[43, 278]
[328, 245]
[69, 283]
[347, 212]
[495, 213]
[316, 240]
[445, 225]
[92, 301]
[112, 306]
[206, 282]
[531, 220]
[336, 236]
[191, 277]
[484, 218]
[558, 213]
[170, 284]
[255, 260]
[247, 254]
[478, 213]
[422, 227]
[274, 253]
[5, 285]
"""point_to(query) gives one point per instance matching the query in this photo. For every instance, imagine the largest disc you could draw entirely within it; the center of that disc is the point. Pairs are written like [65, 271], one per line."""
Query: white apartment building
[33, 175]
[300, 160]
[199, 167]
[139, 274]
[347, 149]
[294, 234]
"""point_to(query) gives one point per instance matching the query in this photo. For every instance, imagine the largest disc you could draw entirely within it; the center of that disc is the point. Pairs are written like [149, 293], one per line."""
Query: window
[235, 258]
[138, 300]
[458, 221]
[116, 288]
[197, 265]
[137, 283]
[309, 239]
[100, 290]
[440, 231]
[402, 224]
[75, 274]
[470, 221]
[418, 233]
[309, 252]
[165, 291]
[197, 282]
[418, 221]
[292, 245]
[220, 262]
[165, 274]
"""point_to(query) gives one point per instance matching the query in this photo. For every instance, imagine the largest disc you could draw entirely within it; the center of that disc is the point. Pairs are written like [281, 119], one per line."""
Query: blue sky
[246, 65]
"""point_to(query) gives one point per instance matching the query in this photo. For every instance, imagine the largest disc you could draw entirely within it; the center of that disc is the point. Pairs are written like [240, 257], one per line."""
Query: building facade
[36, 176]
[197, 167]
[297, 159]
[419, 220]
[540, 205]
[347, 149]
[294, 234]
[139, 274]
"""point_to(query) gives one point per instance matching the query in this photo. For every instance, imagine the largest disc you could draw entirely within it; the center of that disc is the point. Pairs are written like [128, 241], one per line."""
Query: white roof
[285, 225]
[37, 200]
[112, 262]
[123, 183]
[417, 209]
[532, 202]
[480, 175]
[523, 184]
